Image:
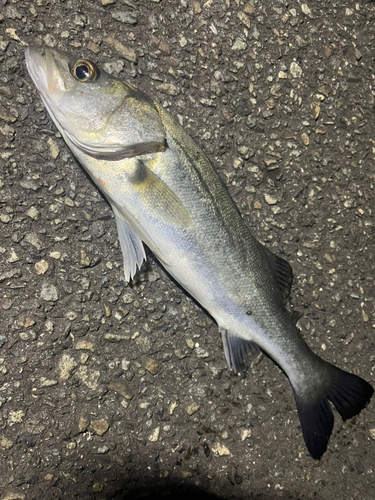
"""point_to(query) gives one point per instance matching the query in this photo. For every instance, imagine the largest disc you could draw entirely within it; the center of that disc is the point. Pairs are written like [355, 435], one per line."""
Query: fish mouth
[36, 63]
[48, 68]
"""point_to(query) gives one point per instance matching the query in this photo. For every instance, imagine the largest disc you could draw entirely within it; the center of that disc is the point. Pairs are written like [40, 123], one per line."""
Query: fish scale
[164, 192]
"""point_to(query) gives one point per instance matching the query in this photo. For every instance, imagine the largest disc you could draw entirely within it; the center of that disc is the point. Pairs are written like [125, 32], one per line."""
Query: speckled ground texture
[116, 390]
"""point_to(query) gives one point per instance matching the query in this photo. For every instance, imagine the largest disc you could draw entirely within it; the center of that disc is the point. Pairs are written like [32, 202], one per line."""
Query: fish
[165, 193]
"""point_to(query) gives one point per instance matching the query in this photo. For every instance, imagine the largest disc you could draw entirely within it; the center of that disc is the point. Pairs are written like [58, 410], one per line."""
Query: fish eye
[85, 71]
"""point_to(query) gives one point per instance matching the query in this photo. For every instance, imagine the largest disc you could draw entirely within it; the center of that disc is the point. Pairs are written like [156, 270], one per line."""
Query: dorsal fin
[282, 271]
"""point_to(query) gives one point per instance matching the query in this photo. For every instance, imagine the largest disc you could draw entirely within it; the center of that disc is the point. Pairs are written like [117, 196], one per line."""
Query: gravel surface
[116, 390]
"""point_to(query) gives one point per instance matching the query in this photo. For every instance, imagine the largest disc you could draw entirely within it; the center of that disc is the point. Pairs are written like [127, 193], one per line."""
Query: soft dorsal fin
[282, 271]
[238, 352]
[131, 245]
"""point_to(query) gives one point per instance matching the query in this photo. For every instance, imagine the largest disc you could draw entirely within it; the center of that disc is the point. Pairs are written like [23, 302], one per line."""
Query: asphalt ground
[117, 390]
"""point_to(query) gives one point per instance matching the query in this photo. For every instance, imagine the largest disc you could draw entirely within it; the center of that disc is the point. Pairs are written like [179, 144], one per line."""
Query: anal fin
[238, 352]
[132, 248]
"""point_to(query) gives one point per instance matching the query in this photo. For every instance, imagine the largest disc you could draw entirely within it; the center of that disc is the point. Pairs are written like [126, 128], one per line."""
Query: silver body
[165, 193]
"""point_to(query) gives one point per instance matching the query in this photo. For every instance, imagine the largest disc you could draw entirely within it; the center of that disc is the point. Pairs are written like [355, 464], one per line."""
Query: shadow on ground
[184, 492]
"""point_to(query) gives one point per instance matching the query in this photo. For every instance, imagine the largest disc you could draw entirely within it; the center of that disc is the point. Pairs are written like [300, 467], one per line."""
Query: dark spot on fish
[249, 313]
[140, 174]
[121, 109]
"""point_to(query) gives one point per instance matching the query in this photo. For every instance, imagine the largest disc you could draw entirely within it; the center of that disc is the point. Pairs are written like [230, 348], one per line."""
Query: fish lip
[35, 59]
[39, 63]
[37, 67]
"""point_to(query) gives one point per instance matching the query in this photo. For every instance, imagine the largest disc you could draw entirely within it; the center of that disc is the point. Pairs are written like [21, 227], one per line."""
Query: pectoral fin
[131, 235]
[162, 203]
[131, 246]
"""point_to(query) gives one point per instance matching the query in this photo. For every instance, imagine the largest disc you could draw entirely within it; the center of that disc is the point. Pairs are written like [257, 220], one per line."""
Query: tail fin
[349, 393]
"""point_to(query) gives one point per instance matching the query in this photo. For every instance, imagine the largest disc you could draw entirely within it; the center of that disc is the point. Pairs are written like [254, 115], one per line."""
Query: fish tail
[349, 393]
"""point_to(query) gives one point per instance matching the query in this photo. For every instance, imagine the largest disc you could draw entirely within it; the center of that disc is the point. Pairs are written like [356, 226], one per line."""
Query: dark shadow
[191, 492]
[180, 492]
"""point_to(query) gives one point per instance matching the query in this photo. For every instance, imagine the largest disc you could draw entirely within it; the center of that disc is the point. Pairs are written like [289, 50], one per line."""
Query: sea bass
[165, 193]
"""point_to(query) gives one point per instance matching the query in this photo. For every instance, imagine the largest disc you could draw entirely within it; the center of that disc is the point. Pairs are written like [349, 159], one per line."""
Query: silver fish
[165, 193]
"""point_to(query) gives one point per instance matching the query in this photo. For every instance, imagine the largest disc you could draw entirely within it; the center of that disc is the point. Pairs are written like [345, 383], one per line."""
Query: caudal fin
[349, 393]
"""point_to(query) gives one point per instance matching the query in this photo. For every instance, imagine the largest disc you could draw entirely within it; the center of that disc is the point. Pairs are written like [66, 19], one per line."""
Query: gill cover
[99, 114]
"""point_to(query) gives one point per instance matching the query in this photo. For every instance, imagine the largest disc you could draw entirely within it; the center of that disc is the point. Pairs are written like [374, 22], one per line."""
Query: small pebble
[89, 377]
[25, 322]
[244, 19]
[168, 88]
[192, 408]
[83, 424]
[5, 443]
[85, 345]
[55, 255]
[315, 108]
[41, 267]
[13, 256]
[94, 47]
[155, 435]
[245, 434]
[49, 293]
[53, 148]
[45, 382]
[305, 139]
[239, 45]
[122, 388]
[306, 10]
[100, 427]
[126, 52]
[219, 450]
[66, 366]
[270, 200]
[295, 70]
[124, 17]
[33, 240]
[15, 417]
[33, 213]
[152, 366]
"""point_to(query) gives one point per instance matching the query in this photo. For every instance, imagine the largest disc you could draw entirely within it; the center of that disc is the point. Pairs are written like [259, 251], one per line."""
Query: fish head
[101, 115]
